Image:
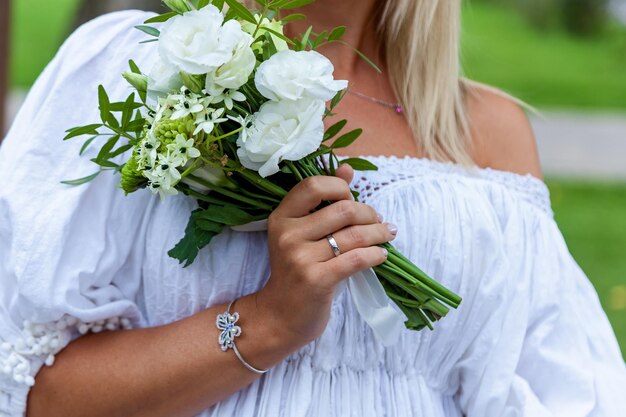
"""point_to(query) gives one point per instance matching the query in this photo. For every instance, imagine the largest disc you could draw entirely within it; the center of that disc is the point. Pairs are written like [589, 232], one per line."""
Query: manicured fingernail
[380, 217]
[393, 229]
[385, 252]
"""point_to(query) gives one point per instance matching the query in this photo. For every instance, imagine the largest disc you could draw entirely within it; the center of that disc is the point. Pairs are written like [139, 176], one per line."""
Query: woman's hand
[305, 271]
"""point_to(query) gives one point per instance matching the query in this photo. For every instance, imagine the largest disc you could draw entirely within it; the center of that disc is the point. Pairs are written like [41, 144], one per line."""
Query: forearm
[173, 370]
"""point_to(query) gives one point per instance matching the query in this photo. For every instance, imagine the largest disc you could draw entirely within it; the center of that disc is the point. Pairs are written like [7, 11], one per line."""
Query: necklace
[397, 106]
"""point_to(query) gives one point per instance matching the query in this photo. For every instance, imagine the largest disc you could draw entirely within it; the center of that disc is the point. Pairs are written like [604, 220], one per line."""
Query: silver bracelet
[229, 331]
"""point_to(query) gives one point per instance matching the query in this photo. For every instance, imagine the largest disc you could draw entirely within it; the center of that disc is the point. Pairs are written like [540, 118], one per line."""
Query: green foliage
[585, 17]
[591, 217]
[549, 68]
[196, 237]
[129, 125]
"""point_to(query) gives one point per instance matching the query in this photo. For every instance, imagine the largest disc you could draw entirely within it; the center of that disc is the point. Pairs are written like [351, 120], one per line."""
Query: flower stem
[231, 194]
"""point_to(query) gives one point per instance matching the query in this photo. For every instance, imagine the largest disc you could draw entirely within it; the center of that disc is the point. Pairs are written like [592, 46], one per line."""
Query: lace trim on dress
[393, 169]
[45, 341]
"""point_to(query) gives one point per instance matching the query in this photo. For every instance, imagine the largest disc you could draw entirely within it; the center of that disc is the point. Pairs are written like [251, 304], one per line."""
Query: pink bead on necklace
[397, 106]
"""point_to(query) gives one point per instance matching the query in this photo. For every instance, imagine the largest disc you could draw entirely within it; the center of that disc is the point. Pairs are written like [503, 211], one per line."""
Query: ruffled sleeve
[70, 257]
[555, 353]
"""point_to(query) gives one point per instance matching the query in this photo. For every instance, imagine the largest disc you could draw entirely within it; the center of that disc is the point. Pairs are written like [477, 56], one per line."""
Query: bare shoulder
[501, 133]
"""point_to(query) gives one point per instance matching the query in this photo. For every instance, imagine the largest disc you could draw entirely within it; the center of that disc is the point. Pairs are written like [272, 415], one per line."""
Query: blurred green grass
[38, 27]
[544, 68]
[500, 48]
[592, 217]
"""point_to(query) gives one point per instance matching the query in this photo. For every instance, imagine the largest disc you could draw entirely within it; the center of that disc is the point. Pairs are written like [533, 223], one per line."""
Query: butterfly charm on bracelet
[226, 323]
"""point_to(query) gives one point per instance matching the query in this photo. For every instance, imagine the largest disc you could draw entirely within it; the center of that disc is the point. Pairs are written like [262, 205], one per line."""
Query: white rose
[235, 72]
[163, 79]
[280, 131]
[197, 42]
[291, 75]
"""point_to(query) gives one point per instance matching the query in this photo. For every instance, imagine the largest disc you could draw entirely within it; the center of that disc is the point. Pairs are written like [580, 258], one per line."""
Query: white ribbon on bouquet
[368, 296]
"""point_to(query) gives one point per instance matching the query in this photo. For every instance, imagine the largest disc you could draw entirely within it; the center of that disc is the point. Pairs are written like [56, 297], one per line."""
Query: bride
[96, 319]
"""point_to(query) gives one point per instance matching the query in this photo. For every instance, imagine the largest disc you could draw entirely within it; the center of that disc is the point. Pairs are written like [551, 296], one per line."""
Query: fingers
[354, 261]
[345, 172]
[356, 237]
[337, 216]
[309, 193]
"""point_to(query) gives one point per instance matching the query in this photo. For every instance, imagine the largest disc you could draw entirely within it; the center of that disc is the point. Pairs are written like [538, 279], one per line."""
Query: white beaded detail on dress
[45, 340]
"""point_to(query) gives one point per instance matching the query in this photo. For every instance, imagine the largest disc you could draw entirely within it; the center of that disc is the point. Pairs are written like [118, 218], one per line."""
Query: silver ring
[333, 245]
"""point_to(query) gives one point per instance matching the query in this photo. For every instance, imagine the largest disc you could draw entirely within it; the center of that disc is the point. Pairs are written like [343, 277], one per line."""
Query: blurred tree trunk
[5, 11]
[90, 9]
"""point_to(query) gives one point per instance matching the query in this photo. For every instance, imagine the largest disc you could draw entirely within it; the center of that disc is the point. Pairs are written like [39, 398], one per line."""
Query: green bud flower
[166, 130]
[132, 180]
[195, 83]
[139, 81]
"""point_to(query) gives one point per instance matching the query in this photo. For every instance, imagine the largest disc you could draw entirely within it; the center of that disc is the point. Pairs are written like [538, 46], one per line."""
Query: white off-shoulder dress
[529, 340]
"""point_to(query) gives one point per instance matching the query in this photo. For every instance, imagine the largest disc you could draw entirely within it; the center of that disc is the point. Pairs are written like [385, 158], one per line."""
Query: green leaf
[241, 11]
[112, 121]
[228, 215]
[149, 40]
[82, 180]
[106, 148]
[332, 131]
[120, 106]
[161, 18]
[362, 55]
[104, 103]
[120, 150]
[305, 38]
[359, 164]
[133, 67]
[105, 163]
[279, 35]
[293, 17]
[203, 3]
[292, 4]
[86, 145]
[127, 111]
[337, 33]
[136, 125]
[82, 130]
[196, 237]
[338, 97]
[347, 139]
[152, 31]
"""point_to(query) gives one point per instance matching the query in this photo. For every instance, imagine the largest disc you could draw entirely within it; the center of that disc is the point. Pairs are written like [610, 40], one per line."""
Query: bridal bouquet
[232, 115]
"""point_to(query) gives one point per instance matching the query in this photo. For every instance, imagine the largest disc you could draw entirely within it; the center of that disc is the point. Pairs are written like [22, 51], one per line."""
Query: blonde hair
[421, 47]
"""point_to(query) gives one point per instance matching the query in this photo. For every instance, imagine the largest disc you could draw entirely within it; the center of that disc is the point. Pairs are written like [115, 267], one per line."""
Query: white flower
[274, 25]
[291, 75]
[167, 168]
[235, 72]
[228, 97]
[183, 149]
[207, 120]
[158, 184]
[283, 130]
[197, 42]
[163, 79]
[187, 103]
[147, 155]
